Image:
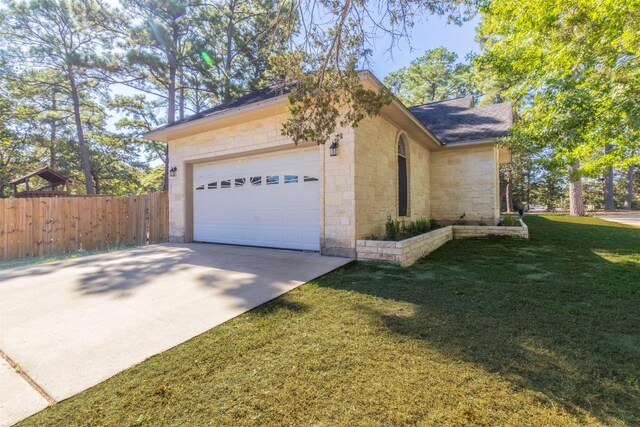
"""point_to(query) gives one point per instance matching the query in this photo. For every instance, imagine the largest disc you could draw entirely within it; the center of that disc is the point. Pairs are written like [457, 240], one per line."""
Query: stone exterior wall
[245, 137]
[465, 180]
[376, 176]
[338, 233]
[359, 185]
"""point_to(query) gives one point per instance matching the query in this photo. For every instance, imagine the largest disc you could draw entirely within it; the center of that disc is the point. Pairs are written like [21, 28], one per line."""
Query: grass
[60, 257]
[482, 332]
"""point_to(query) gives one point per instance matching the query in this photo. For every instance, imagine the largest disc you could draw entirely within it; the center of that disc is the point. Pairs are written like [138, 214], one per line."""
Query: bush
[399, 230]
[423, 225]
[509, 221]
[391, 229]
[482, 223]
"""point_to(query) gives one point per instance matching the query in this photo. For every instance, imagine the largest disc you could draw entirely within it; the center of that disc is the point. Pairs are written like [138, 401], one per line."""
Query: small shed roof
[45, 173]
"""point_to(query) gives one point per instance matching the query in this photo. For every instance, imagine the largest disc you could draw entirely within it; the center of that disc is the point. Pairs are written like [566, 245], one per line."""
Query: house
[237, 180]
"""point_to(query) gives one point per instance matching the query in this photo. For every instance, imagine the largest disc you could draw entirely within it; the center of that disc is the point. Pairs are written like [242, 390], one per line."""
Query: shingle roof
[456, 120]
[269, 92]
[451, 121]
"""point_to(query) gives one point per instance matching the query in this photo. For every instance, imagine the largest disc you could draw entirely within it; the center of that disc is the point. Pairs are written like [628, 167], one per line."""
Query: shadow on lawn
[550, 314]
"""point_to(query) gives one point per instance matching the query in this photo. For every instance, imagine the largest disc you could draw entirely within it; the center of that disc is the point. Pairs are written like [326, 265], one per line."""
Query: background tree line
[572, 71]
[570, 68]
[61, 61]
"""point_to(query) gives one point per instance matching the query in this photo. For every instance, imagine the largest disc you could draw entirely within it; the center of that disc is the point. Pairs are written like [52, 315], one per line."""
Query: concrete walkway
[631, 218]
[71, 324]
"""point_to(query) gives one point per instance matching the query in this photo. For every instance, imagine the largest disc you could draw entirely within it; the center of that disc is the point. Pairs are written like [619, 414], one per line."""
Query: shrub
[509, 221]
[395, 230]
[433, 224]
[423, 225]
[391, 229]
[482, 223]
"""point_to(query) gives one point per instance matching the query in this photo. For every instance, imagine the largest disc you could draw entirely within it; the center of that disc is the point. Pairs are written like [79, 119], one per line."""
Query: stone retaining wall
[461, 231]
[406, 252]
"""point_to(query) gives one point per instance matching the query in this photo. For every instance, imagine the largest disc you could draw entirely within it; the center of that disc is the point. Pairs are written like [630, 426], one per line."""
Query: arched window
[403, 184]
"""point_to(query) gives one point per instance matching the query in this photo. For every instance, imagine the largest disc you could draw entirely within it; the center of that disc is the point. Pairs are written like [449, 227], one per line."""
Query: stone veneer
[464, 180]
[406, 252]
[462, 231]
[376, 176]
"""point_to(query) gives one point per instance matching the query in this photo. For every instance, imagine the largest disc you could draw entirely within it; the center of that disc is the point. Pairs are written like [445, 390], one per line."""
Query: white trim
[467, 143]
[215, 116]
[396, 102]
[366, 74]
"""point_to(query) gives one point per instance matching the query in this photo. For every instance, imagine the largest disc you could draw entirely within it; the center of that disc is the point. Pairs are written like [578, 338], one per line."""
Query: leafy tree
[334, 40]
[139, 115]
[573, 69]
[246, 34]
[194, 54]
[434, 76]
[63, 37]
[152, 181]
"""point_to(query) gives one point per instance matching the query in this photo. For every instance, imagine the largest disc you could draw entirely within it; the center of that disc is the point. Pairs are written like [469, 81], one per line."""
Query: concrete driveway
[69, 325]
[631, 218]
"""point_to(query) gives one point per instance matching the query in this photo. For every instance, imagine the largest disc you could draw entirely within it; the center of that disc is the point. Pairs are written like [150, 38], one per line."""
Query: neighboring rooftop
[457, 120]
[56, 184]
[46, 173]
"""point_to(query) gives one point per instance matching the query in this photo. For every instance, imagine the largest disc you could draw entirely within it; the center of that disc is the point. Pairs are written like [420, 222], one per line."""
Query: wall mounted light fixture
[333, 149]
[173, 170]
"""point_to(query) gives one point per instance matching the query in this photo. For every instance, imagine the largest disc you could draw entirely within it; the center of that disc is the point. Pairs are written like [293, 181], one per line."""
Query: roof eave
[397, 103]
[468, 142]
[164, 133]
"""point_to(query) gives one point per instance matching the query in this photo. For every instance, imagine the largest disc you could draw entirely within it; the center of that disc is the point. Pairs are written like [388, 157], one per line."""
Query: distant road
[629, 217]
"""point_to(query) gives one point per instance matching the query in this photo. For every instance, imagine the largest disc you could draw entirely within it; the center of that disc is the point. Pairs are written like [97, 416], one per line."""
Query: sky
[434, 32]
[426, 34]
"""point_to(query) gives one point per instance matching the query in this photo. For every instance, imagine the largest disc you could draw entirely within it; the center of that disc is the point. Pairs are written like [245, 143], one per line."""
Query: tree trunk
[508, 193]
[165, 181]
[550, 193]
[229, 53]
[181, 97]
[608, 185]
[170, 119]
[528, 205]
[576, 203]
[97, 184]
[628, 200]
[52, 137]
[171, 111]
[171, 108]
[84, 153]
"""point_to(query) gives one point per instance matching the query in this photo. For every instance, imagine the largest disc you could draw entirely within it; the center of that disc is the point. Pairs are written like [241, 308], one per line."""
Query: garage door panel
[238, 205]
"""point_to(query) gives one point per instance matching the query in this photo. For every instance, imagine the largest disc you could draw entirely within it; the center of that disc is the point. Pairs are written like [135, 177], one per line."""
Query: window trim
[402, 152]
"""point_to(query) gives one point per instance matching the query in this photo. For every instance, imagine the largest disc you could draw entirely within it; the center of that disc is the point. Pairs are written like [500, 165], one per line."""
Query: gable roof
[45, 173]
[451, 121]
[457, 120]
[269, 92]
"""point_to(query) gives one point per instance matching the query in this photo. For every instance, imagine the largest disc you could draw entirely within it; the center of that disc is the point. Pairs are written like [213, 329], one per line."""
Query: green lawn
[482, 332]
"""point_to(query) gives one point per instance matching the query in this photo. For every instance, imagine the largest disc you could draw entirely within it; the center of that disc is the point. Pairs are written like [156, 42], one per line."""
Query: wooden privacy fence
[57, 225]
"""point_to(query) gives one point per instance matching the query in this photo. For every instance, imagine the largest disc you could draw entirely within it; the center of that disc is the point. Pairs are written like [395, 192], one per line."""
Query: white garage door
[271, 200]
